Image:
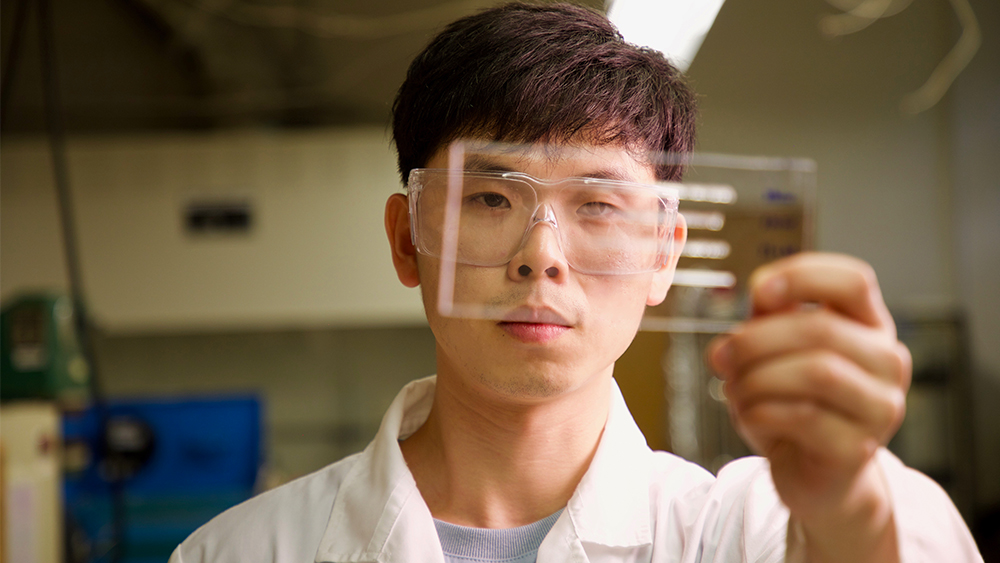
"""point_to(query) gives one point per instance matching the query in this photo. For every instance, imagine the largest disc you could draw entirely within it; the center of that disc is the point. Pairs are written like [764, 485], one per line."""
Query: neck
[491, 462]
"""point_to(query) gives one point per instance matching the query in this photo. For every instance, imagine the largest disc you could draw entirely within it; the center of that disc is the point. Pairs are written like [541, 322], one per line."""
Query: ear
[663, 277]
[397, 228]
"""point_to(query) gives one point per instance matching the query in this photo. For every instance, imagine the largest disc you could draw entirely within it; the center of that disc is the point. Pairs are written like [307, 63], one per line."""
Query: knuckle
[865, 280]
[892, 415]
[824, 372]
[866, 273]
[869, 275]
[894, 363]
[761, 415]
[905, 366]
[898, 364]
[898, 401]
[860, 453]
[805, 417]
[819, 327]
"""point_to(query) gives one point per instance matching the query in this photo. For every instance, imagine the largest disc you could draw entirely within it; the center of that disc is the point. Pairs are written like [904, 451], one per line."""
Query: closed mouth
[533, 315]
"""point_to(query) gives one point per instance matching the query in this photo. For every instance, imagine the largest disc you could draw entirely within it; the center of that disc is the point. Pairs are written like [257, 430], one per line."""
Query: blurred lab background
[223, 315]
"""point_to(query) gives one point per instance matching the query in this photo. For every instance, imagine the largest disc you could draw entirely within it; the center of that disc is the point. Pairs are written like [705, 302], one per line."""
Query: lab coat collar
[611, 505]
[379, 515]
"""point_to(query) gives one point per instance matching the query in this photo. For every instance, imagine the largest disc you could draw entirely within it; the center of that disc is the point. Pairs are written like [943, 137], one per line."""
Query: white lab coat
[632, 504]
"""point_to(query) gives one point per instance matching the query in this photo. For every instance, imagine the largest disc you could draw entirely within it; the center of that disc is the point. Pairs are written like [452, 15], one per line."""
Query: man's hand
[816, 382]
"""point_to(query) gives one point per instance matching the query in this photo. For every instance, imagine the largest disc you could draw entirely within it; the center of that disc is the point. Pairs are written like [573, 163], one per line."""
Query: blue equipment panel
[204, 457]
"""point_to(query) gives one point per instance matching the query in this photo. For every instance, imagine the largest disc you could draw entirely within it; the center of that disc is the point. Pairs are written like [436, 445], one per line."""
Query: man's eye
[492, 200]
[597, 209]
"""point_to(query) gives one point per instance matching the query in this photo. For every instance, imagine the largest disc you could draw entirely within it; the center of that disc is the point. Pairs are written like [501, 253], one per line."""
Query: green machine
[40, 354]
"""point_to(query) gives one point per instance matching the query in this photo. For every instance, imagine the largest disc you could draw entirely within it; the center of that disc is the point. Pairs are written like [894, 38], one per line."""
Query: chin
[531, 387]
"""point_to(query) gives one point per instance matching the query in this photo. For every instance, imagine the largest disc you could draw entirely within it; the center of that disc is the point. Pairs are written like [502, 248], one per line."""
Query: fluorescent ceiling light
[676, 28]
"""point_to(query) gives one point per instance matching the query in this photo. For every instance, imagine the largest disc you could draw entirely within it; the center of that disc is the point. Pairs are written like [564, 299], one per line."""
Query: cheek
[621, 297]
[470, 289]
[617, 308]
[428, 273]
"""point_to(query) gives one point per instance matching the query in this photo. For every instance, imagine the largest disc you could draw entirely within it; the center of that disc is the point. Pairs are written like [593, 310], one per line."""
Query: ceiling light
[676, 28]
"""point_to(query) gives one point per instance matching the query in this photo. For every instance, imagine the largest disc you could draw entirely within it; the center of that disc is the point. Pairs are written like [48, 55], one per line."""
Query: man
[522, 447]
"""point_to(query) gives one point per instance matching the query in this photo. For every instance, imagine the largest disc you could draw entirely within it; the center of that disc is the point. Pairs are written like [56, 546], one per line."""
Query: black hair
[554, 73]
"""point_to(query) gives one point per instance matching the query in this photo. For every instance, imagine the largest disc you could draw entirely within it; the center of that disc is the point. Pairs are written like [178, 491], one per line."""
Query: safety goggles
[603, 227]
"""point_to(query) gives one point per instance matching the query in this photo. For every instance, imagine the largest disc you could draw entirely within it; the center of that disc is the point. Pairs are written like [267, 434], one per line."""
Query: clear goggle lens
[603, 227]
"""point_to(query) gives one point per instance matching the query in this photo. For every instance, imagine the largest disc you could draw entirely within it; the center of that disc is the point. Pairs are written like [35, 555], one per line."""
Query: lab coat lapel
[608, 515]
[379, 514]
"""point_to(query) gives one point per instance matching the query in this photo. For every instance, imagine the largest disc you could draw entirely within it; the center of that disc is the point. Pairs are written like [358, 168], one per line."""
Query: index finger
[843, 283]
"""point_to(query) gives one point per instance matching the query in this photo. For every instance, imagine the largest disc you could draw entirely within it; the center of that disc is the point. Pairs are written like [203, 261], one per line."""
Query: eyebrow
[480, 163]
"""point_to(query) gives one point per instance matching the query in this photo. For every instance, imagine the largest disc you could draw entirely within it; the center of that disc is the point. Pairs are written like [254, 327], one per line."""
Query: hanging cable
[930, 93]
[951, 66]
[56, 130]
[13, 56]
[859, 17]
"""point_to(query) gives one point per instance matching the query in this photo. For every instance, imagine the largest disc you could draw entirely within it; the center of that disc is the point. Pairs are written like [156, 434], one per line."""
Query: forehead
[547, 161]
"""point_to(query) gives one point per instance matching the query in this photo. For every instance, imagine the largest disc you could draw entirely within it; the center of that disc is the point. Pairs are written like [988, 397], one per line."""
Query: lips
[535, 325]
[536, 315]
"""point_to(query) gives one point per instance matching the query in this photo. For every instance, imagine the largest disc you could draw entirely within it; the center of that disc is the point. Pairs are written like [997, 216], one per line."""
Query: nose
[541, 254]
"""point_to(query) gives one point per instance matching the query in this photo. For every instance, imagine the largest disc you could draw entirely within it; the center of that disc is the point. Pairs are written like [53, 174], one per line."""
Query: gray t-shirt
[482, 545]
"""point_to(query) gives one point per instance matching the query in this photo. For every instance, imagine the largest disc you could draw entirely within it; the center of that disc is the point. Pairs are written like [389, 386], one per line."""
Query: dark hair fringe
[552, 73]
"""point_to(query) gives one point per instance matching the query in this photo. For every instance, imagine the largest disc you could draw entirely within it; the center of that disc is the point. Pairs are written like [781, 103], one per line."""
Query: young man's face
[567, 328]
